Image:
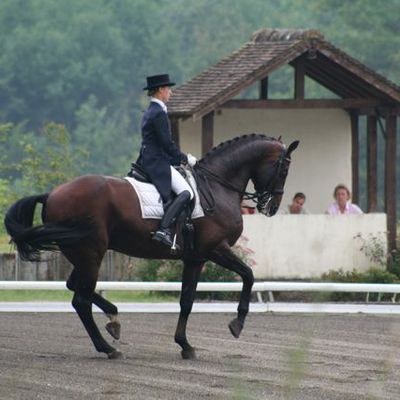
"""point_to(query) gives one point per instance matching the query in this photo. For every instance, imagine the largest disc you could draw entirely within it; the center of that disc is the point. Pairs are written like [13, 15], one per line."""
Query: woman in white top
[342, 205]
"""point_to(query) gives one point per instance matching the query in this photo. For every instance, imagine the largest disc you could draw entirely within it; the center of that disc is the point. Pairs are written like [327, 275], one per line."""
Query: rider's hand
[192, 160]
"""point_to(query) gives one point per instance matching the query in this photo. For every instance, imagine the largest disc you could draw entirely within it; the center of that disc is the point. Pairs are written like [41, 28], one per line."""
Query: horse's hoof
[114, 355]
[114, 329]
[188, 354]
[236, 327]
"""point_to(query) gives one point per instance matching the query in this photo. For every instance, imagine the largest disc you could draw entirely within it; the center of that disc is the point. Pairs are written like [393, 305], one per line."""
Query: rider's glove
[192, 160]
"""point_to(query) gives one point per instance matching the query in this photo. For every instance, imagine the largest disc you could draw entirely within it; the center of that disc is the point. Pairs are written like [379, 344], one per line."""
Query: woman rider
[159, 153]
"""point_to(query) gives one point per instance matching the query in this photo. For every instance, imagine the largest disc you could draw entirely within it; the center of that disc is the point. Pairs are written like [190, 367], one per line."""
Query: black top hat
[157, 81]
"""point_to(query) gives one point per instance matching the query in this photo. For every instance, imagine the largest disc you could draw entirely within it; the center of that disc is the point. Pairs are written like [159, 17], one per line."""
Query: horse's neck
[234, 168]
[237, 176]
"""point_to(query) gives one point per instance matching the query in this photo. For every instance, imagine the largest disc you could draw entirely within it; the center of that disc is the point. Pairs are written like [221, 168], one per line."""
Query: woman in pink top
[342, 205]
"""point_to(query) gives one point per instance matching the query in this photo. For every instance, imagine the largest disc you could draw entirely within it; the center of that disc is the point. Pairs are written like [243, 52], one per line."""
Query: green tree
[41, 163]
[108, 137]
[38, 164]
[54, 55]
[50, 162]
[368, 30]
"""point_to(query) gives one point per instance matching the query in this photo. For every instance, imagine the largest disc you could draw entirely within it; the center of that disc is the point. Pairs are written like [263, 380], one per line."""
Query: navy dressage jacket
[158, 151]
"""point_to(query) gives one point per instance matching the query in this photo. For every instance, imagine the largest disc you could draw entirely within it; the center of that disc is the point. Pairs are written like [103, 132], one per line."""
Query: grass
[65, 295]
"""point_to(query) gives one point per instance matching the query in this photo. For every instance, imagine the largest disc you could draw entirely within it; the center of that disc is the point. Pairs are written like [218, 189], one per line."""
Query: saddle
[184, 223]
[138, 173]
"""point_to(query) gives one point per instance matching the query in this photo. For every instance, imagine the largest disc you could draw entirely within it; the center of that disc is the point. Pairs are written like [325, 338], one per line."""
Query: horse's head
[269, 180]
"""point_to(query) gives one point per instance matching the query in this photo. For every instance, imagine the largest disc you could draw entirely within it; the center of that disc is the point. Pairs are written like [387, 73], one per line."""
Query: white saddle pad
[151, 203]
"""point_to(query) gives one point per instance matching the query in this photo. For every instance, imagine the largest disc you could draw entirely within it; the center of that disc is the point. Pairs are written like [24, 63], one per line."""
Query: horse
[92, 213]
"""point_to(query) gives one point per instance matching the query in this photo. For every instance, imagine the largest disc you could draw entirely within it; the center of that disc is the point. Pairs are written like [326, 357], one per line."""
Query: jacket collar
[161, 103]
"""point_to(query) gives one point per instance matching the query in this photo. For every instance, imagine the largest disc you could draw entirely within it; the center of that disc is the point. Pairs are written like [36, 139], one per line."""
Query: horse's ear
[292, 147]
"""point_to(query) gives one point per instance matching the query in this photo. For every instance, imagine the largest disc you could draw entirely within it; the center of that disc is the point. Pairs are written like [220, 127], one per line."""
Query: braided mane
[238, 140]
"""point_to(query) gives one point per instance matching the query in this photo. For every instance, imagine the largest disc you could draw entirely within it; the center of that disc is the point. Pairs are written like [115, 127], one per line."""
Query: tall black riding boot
[163, 234]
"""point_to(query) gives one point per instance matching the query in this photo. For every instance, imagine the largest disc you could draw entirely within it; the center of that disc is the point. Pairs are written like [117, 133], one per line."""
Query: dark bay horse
[85, 217]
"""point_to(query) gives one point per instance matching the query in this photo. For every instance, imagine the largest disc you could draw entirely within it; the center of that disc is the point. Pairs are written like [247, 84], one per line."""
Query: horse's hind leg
[226, 258]
[113, 326]
[84, 283]
[190, 277]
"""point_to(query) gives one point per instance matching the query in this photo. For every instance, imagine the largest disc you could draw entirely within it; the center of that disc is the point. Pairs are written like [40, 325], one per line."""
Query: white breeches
[178, 183]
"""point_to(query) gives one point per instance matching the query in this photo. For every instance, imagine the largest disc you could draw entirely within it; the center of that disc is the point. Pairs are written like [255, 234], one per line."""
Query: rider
[159, 153]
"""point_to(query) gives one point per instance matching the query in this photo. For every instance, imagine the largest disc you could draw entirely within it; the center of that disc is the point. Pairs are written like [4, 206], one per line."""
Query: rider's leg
[184, 195]
[179, 184]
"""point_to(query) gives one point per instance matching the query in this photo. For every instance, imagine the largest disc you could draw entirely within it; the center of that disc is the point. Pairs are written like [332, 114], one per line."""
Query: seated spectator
[297, 205]
[245, 209]
[342, 205]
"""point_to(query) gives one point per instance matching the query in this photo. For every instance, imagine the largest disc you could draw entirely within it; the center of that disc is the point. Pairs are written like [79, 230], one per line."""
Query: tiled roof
[267, 50]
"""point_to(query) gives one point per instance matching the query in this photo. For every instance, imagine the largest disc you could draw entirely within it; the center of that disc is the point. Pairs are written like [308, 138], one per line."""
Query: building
[211, 108]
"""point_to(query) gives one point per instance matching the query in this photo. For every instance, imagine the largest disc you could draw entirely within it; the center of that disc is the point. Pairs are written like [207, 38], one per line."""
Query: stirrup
[163, 237]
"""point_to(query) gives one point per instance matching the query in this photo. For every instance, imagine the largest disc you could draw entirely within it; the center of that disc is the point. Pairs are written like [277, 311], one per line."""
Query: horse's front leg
[224, 256]
[190, 277]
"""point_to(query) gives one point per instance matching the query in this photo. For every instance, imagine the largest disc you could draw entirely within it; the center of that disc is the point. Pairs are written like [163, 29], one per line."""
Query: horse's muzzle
[273, 209]
[271, 206]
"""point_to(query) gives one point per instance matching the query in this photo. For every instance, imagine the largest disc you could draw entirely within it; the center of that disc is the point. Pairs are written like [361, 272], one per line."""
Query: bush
[171, 271]
[374, 247]
[373, 275]
[394, 263]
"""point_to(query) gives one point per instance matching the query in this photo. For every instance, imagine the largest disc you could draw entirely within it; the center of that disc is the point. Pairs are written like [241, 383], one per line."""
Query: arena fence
[259, 287]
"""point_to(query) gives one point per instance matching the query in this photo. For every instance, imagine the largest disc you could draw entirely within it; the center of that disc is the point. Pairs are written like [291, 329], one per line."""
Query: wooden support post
[372, 164]
[354, 156]
[390, 180]
[299, 80]
[264, 88]
[207, 132]
[175, 129]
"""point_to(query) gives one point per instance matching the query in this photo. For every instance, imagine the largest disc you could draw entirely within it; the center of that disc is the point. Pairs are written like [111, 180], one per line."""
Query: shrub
[394, 263]
[373, 275]
[171, 271]
[374, 248]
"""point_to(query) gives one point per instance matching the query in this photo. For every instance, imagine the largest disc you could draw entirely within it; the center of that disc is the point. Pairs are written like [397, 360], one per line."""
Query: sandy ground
[285, 356]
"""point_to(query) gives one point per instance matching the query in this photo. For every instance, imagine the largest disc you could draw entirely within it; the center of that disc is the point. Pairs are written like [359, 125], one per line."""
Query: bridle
[264, 197]
[261, 197]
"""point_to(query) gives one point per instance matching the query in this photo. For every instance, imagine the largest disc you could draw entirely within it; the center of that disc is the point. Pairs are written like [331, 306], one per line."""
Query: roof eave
[380, 83]
[373, 78]
[230, 92]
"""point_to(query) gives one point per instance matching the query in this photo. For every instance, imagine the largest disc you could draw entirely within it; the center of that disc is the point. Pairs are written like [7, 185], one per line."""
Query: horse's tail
[30, 240]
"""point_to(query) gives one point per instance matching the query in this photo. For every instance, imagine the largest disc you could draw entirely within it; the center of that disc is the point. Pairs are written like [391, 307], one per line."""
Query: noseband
[260, 197]
[263, 197]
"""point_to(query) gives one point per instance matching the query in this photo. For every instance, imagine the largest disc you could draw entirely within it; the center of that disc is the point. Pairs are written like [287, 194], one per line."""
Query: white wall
[306, 246]
[322, 160]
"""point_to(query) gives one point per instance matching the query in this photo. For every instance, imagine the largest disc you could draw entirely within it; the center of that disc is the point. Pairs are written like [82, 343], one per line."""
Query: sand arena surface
[285, 356]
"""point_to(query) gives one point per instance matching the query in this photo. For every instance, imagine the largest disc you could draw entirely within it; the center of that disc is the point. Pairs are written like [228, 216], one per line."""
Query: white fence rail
[259, 288]
[213, 286]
